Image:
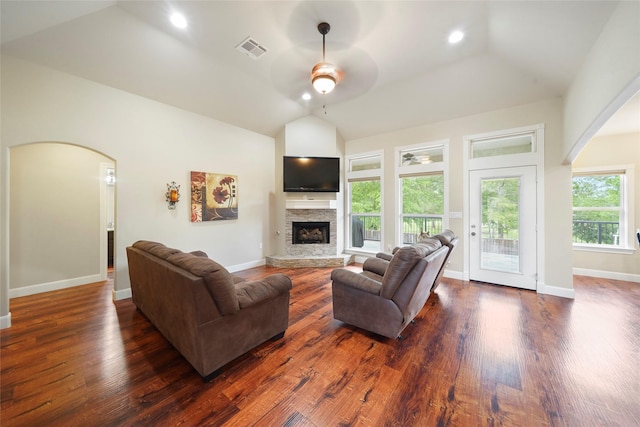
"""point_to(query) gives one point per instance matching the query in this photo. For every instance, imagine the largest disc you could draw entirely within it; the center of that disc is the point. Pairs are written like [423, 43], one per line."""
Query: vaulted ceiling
[399, 70]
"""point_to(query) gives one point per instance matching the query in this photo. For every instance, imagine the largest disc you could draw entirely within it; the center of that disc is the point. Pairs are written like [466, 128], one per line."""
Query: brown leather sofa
[209, 315]
[386, 296]
[446, 237]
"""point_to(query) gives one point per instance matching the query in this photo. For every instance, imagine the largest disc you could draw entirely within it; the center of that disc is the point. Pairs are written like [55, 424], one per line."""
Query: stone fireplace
[303, 228]
[306, 233]
[310, 236]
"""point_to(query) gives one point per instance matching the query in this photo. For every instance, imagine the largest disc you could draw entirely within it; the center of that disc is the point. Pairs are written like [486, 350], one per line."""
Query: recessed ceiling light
[456, 36]
[306, 96]
[178, 20]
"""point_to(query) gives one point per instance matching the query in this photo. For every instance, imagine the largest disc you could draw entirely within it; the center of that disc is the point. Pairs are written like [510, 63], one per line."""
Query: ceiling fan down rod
[323, 28]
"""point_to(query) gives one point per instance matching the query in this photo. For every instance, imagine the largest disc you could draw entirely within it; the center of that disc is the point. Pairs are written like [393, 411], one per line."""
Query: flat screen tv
[314, 174]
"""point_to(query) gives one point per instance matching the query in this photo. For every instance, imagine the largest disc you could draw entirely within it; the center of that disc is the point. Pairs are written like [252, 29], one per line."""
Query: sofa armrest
[385, 256]
[355, 280]
[375, 265]
[199, 253]
[251, 293]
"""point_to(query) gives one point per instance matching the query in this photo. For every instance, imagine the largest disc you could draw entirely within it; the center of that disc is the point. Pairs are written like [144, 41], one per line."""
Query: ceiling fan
[324, 75]
[290, 71]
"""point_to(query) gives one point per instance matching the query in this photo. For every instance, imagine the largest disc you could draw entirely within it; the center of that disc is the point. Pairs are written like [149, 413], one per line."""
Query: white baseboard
[607, 274]
[555, 291]
[53, 286]
[246, 265]
[458, 275]
[121, 294]
[5, 321]
[360, 258]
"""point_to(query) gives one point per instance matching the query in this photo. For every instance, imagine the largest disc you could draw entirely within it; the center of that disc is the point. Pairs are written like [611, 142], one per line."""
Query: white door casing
[516, 153]
[504, 259]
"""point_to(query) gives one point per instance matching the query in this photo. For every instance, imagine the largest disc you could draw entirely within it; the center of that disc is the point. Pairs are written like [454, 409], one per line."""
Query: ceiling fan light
[324, 84]
[324, 77]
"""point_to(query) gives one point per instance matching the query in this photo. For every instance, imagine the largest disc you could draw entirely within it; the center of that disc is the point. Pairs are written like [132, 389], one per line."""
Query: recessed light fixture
[306, 96]
[178, 20]
[456, 37]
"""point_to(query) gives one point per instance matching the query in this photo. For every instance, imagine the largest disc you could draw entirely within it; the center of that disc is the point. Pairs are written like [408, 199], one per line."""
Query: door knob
[473, 233]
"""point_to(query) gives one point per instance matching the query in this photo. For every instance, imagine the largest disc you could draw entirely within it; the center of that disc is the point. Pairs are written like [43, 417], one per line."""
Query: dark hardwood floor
[477, 355]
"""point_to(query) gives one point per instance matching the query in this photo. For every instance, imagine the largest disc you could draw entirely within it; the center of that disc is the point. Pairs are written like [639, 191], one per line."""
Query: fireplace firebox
[310, 232]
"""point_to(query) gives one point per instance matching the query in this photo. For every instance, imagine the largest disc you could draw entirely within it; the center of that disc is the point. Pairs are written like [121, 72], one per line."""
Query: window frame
[627, 203]
[405, 171]
[376, 174]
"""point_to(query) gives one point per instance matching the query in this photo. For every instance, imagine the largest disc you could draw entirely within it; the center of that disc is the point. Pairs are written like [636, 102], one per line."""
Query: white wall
[55, 227]
[612, 150]
[152, 144]
[310, 136]
[557, 248]
[608, 78]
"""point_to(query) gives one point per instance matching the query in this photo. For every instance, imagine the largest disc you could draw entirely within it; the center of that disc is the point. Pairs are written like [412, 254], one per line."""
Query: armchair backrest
[411, 274]
[400, 266]
[447, 238]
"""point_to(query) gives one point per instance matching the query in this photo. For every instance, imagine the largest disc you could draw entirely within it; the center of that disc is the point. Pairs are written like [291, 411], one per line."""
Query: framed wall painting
[214, 196]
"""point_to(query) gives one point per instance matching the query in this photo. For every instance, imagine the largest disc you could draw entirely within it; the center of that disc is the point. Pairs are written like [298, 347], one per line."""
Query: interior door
[502, 226]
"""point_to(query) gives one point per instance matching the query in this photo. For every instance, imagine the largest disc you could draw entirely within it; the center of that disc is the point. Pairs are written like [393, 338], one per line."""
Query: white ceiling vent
[252, 48]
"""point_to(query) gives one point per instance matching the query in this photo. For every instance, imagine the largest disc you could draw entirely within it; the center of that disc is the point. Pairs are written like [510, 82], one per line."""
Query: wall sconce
[173, 194]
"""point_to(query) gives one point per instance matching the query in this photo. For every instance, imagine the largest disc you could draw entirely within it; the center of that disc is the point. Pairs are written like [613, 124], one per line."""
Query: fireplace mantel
[311, 204]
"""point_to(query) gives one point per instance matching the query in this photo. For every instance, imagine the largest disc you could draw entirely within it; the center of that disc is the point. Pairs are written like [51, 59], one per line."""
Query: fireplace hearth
[310, 233]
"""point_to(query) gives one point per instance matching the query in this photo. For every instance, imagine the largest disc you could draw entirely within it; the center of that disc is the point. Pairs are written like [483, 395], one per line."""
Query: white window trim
[420, 169]
[627, 211]
[370, 174]
[603, 249]
[535, 157]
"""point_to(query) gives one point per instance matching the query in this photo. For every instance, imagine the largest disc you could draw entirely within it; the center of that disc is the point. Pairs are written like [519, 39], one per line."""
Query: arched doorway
[57, 217]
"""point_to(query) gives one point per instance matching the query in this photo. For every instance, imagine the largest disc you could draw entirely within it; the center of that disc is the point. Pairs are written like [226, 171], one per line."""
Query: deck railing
[596, 232]
[415, 225]
[412, 226]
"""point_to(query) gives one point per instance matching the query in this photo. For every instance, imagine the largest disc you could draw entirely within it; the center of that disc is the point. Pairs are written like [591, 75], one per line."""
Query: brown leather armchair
[379, 264]
[386, 303]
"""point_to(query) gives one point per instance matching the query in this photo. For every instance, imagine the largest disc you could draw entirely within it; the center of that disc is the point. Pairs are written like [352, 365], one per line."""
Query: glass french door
[502, 226]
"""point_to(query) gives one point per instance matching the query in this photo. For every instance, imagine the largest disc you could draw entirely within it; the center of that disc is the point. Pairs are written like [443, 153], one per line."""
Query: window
[364, 192]
[421, 189]
[422, 206]
[512, 144]
[602, 208]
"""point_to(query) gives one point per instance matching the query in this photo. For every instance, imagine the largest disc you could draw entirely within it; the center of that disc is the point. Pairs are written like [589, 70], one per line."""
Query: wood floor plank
[477, 355]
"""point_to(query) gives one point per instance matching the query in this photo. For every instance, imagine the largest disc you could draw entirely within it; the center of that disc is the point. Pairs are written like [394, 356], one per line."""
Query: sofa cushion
[156, 249]
[217, 279]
